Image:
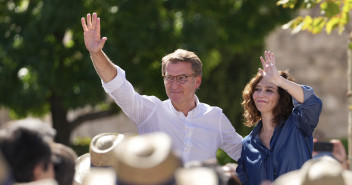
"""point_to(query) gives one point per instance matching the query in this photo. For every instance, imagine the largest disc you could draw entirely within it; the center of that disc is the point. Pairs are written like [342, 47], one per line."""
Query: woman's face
[266, 96]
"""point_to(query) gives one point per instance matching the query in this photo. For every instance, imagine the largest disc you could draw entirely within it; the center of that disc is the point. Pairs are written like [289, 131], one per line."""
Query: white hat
[100, 154]
[100, 176]
[146, 160]
[196, 176]
[317, 171]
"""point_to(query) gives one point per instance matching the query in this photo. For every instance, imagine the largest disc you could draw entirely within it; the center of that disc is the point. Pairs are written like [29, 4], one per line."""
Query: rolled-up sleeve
[309, 111]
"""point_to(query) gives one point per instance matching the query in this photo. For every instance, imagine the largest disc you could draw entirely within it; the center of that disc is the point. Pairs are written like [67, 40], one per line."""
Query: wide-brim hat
[317, 171]
[146, 160]
[100, 154]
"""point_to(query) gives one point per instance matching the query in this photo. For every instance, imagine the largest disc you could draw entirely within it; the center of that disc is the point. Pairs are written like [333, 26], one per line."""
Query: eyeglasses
[181, 79]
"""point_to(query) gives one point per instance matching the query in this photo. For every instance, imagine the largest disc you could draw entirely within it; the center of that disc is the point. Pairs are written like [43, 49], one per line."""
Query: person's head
[182, 73]
[64, 163]
[27, 154]
[44, 129]
[277, 100]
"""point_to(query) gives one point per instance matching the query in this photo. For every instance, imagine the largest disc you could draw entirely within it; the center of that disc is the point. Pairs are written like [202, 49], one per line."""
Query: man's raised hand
[91, 29]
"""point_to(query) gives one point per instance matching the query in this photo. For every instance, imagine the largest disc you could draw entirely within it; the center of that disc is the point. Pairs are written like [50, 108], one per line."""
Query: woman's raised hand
[269, 70]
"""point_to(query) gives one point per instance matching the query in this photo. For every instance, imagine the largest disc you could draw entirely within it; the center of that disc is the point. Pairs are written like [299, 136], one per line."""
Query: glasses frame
[177, 78]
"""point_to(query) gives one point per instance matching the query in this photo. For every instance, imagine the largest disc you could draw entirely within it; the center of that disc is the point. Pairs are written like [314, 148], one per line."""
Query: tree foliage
[332, 15]
[45, 67]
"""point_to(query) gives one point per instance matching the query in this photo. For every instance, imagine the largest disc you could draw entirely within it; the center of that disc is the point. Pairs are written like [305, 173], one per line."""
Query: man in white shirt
[197, 130]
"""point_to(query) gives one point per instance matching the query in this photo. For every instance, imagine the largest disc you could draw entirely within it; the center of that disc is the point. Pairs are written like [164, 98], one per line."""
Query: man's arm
[231, 141]
[94, 44]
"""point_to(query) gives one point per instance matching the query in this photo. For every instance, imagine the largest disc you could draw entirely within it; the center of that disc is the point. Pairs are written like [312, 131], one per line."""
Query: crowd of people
[27, 158]
[179, 137]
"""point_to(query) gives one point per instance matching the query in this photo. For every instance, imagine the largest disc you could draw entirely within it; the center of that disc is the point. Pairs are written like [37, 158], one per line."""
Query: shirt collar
[191, 112]
[259, 126]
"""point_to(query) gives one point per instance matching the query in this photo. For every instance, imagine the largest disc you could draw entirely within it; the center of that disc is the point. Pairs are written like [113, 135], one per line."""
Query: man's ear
[198, 81]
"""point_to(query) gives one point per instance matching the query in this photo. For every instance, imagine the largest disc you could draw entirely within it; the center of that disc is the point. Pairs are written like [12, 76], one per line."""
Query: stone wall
[319, 61]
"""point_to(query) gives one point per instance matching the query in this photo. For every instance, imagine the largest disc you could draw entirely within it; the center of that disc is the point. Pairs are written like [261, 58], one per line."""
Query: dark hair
[64, 163]
[23, 149]
[181, 55]
[281, 112]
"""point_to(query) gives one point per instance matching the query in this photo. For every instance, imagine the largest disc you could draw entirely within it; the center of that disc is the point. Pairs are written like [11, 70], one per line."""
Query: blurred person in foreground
[333, 148]
[28, 155]
[285, 115]
[197, 130]
[5, 172]
[64, 163]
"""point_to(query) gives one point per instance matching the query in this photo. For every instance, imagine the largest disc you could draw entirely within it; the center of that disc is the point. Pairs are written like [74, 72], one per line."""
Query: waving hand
[271, 73]
[269, 70]
[91, 29]
[94, 44]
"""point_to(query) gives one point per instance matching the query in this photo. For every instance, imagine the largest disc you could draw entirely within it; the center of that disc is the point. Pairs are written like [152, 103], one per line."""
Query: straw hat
[317, 171]
[100, 154]
[146, 160]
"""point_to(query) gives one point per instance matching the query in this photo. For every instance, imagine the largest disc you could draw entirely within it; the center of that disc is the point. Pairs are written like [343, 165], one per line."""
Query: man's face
[181, 93]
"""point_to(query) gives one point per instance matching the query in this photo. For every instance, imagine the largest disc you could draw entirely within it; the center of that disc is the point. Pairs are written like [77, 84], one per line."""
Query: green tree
[45, 67]
[333, 15]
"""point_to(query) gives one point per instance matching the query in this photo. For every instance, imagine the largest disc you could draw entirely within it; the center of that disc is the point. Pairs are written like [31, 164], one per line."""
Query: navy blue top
[290, 146]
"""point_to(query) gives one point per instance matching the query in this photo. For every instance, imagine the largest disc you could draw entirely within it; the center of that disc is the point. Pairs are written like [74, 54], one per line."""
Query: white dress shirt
[196, 136]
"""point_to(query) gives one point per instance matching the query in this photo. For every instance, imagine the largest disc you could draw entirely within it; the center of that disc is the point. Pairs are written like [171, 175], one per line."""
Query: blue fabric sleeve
[307, 112]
